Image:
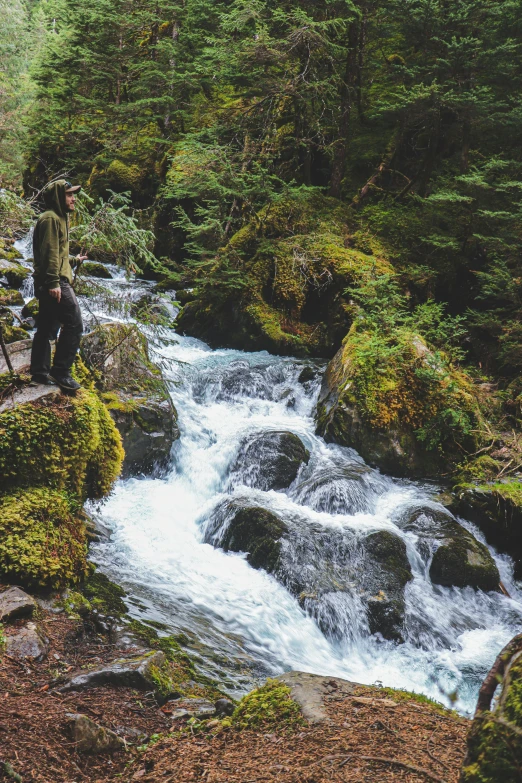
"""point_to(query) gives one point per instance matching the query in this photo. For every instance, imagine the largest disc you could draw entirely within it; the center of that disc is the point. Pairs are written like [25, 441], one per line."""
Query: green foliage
[109, 231]
[68, 444]
[41, 542]
[268, 707]
[104, 595]
[16, 215]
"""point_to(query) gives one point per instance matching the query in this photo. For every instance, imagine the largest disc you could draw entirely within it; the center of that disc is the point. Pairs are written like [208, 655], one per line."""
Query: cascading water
[160, 527]
[243, 623]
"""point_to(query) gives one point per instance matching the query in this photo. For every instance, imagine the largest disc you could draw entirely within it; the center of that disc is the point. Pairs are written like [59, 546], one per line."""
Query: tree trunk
[345, 94]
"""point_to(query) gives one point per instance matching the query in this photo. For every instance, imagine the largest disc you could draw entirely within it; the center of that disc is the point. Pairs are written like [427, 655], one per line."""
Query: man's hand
[80, 258]
[56, 293]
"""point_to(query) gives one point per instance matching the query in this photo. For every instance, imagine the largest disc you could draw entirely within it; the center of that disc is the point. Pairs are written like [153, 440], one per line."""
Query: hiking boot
[65, 381]
[42, 379]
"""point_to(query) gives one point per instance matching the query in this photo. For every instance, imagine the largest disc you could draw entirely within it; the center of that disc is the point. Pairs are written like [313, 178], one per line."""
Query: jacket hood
[54, 197]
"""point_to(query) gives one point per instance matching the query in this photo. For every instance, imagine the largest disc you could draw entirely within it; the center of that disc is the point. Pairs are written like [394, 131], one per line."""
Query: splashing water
[243, 623]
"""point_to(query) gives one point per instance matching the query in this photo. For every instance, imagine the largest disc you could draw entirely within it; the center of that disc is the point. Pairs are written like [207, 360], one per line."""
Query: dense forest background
[392, 129]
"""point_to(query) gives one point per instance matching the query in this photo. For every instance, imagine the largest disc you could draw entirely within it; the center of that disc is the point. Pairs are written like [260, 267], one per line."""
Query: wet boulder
[30, 309]
[497, 510]
[459, 560]
[152, 308]
[236, 527]
[270, 460]
[15, 274]
[95, 269]
[9, 297]
[386, 573]
[136, 395]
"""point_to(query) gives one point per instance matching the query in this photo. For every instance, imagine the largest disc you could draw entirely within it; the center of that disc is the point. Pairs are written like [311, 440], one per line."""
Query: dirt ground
[370, 737]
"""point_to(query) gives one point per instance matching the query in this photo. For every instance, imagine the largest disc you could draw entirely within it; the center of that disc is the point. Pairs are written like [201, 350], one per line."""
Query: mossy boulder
[15, 274]
[13, 334]
[459, 560]
[290, 268]
[152, 308]
[497, 510]
[123, 176]
[135, 394]
[403, 407]
[270, 460]
[9, 296]
[269, 707]
[95, 269]
[69, 444]
[254, 530]
[42, 544]
[30, 308]
[387, 571]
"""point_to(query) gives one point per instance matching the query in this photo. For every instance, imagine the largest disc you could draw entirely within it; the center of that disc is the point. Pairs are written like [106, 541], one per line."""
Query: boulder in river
[386, 573]
[339, 490]
[459, 560]
[270, 460]
[95, 269]
[254, 530]
[497, 510]
[15, 274]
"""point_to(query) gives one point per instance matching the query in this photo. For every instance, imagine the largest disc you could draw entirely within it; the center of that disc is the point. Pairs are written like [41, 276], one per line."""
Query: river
[241, 624]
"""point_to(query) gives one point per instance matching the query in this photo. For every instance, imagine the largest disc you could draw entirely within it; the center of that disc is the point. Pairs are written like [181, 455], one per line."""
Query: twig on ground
[430, 754]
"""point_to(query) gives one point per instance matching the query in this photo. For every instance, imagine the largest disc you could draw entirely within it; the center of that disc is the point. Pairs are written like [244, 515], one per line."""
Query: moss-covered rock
[459, 560]
[123, 176]
[95, 269]
[254, 530]
[15, 274]
[65, 443]
[268, 707]
[13, 334]
[270, 460]
[403, 407]
[30, 309]
[292, 265]
[497, 510]
[385, 576]
[135, 394]
[42, 544]
[9, 296]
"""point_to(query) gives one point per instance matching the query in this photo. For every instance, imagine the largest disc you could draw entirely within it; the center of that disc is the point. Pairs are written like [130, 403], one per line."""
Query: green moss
[116, 402]
[41, 543]
[68, 444]
[9, 296]
[104, 595]
[75, 605]
[14, 333]
[510, 490]
[270, 706]
[95, 269]
[3, 640]
[404, 696]
[123, 176]
[14, 273]
[30, 309]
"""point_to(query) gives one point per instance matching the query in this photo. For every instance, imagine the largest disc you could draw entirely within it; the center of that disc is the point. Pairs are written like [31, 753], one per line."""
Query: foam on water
[243, 622]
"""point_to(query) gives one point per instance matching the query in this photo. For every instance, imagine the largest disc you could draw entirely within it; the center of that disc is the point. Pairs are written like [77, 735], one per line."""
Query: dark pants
[51, 316]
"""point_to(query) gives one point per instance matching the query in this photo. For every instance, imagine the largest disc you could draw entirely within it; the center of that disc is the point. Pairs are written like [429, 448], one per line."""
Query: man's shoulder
[48, 215]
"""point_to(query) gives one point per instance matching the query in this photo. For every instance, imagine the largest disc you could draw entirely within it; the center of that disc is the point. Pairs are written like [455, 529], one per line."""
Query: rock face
[91, 738]
[27, 643]
[95, 269]
[459, 560]
[20, 355]
[394, 450]
[148, 429]
[15, 274]
[254, 530]
[14, 603]
[136, 395]
[497, 510]
[311, 691]
[270, 460]
[323, 567]
[384, 580]
[136, 673]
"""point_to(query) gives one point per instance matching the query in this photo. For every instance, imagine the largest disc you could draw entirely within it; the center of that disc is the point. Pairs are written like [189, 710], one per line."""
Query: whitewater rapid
[240, 623]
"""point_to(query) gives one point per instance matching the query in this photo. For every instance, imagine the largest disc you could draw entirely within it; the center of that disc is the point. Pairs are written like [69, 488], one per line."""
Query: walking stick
[4, 351]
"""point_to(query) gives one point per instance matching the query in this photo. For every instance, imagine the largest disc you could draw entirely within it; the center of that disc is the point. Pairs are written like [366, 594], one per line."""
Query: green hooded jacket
[51, 239]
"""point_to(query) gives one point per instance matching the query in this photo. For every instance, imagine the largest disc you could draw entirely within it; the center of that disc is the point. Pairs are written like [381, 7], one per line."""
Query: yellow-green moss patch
[42, 544]
[270, 706]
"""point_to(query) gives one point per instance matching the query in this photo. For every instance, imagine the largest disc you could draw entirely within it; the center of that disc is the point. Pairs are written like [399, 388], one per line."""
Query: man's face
[70, 201]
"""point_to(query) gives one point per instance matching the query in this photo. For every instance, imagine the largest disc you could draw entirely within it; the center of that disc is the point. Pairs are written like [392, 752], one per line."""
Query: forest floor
[372, 734]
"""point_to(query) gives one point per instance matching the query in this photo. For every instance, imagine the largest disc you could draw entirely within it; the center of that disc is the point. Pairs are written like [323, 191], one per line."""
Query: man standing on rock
[58, 307]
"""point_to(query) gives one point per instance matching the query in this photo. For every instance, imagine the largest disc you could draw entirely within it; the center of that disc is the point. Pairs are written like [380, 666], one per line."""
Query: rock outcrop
[459, 560]
[135, 394]
[14, 603]
[269, 460]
